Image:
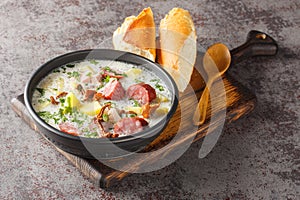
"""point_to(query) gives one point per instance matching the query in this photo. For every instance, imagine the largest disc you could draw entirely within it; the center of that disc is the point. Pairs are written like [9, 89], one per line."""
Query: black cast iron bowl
[103, 148]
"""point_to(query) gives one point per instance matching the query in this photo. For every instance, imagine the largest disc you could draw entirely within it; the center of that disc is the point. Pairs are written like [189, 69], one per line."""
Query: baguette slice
[178, 46]
[137, 35]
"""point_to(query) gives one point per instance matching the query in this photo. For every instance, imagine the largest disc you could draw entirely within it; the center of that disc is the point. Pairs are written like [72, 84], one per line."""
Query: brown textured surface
[257, 157]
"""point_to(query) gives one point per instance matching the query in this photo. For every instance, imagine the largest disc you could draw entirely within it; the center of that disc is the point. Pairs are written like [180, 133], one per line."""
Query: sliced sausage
[68, 128]
[129, 125]
[141, 92]
[114, 90]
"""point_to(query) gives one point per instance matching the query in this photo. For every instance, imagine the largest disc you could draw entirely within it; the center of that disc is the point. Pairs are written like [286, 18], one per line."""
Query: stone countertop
[257, 157]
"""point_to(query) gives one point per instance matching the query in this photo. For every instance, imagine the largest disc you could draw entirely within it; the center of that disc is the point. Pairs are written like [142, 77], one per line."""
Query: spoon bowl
[217, 56]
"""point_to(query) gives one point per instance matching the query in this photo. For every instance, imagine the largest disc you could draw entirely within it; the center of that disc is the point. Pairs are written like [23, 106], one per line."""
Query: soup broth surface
[101, 98]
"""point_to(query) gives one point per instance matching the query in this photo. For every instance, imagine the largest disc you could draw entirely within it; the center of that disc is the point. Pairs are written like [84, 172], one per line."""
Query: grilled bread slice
[137, 35]
[178, 46]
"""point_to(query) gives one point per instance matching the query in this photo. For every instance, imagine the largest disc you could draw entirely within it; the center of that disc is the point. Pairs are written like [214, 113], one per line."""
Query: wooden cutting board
[239, 102]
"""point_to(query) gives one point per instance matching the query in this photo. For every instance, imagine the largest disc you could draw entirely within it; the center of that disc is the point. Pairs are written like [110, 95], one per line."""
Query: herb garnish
[89, 74]
[64, 69]
[61, 114]
[107, 68]
[99, 87]
[113, 104]
[76, 115]
[47, 116]
[70, 65]
[56, 71]
[68, 109]
[105, 117]
[132, 115]
[41, 91]
[138, 81]
[157, 85]
[73, 74]
[62, 101]
[107, 78]
[160, 87]
[135, 103]
[43, 100]
[94, 62]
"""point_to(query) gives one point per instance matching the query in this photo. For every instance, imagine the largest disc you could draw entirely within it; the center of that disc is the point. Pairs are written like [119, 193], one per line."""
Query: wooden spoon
[216, 61]
[218, 57]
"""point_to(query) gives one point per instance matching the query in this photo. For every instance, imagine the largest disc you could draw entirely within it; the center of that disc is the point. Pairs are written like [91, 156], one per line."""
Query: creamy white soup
[101, 98]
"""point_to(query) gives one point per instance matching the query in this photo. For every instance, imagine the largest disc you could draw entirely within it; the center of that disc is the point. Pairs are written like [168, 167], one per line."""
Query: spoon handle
[257, 44]
[200, 114]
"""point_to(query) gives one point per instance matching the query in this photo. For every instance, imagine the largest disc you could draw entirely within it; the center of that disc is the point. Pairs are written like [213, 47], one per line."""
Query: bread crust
[139, 31]
[179, 21]
[176, 50]
[177, 36]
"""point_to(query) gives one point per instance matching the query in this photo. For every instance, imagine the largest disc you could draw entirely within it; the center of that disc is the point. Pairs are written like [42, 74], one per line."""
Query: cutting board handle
[257, 44]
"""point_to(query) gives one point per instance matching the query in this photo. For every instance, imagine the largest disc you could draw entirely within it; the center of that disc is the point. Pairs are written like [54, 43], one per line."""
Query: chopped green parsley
[41, 91]
[70, 65]
[94, 62]
[157, 85]
[74, 74]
